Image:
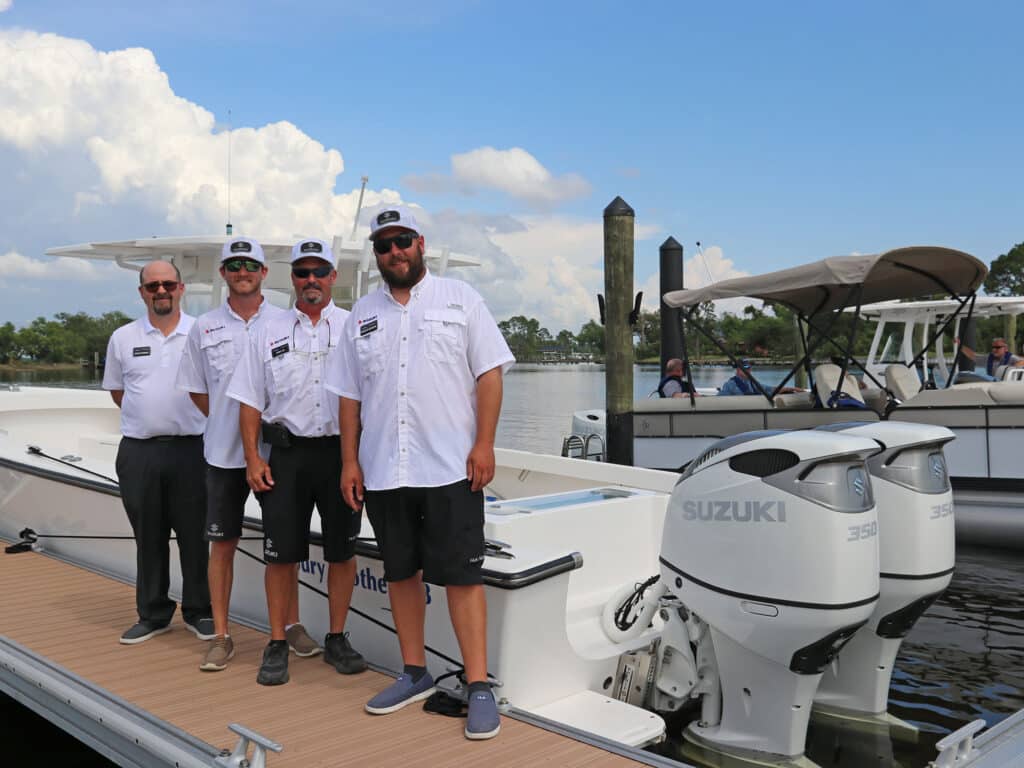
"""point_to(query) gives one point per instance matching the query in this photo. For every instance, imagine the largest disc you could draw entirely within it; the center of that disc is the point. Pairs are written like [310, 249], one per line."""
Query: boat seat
[876, 399]
[826, 381]
[1007, 393]
[903, 381]
[795, 400]
[663, 405]
[964, 394]
[733, 403]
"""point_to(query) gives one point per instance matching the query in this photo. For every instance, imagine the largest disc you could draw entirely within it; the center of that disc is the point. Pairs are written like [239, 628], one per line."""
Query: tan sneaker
[221, 649]
[300, 641]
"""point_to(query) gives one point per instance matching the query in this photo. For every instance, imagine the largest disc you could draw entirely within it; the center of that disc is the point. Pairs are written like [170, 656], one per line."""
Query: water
[963, 660]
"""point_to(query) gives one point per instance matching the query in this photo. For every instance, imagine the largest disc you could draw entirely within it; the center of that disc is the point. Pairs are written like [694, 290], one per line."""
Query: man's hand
[257, 473]
[352, 485]
[480, 465]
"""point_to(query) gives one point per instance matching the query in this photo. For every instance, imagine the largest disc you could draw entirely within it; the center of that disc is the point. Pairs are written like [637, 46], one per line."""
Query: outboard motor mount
[916, 536]
[770, 538]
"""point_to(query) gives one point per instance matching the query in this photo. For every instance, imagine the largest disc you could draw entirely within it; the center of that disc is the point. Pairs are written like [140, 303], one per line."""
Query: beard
[410, 278]
[163, 308]
[312, 294]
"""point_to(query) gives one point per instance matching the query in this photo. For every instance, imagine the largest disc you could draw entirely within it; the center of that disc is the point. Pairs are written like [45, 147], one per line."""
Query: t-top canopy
[903, 273]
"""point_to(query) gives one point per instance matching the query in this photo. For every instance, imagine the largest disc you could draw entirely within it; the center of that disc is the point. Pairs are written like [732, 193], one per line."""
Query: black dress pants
[163, 488]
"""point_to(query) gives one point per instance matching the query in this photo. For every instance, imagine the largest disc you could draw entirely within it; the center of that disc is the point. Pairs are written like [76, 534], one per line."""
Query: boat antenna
[711, 279]
[359, 207]
[228, 229]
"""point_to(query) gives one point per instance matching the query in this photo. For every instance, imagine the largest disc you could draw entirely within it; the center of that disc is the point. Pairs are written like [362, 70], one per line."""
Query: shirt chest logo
[367, 326]
[279, 350]
[141, 351]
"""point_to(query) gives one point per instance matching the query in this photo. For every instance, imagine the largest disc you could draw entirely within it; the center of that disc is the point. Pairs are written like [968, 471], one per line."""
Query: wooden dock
[73, 618]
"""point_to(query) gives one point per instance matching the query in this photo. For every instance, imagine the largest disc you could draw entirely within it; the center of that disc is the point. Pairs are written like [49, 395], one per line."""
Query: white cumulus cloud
[514, 172]
[5, 5]
[16, 265]
[697, 273]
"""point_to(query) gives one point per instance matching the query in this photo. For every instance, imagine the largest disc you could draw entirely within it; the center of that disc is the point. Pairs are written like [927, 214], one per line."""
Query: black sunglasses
[303, 272]
[168, 285]
[403, 241]
[235, 265]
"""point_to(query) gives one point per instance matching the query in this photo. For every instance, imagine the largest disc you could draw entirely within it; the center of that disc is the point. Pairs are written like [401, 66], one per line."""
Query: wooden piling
[671, 275]
[619, 220]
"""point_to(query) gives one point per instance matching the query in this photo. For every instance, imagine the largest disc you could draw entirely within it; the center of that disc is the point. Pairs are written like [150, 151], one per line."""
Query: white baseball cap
[315, 248]
[242, 248]
[397, 216]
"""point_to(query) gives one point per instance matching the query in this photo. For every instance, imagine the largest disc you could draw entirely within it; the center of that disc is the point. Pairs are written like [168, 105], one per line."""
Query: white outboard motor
[758, 547]
[917, 554]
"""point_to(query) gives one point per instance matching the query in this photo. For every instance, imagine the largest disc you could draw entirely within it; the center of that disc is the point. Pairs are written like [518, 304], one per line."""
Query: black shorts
[307, 473]
[439, 530]
[226, 492]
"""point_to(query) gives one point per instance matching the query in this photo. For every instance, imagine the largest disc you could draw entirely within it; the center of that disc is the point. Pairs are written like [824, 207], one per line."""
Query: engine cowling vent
[764, 462]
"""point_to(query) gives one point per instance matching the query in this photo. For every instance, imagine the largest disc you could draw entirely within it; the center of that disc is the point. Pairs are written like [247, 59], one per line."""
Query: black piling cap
[671, 244]
[618, 207]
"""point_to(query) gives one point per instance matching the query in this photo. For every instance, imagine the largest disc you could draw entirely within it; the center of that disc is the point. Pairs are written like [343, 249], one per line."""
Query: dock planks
[74, 617]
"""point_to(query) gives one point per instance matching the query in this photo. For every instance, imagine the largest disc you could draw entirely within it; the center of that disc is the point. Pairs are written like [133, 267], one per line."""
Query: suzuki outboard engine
[916, 551]
[770, 545]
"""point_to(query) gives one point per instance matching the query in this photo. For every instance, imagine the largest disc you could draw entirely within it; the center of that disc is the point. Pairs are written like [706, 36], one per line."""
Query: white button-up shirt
[216, 342]
[282, 372]
[413, 369]
[143, 363]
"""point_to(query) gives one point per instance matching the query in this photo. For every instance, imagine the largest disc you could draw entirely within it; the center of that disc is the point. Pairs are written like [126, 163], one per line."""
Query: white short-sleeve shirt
[413, 369]
[144, 363]
[216, 342]
[282, 372]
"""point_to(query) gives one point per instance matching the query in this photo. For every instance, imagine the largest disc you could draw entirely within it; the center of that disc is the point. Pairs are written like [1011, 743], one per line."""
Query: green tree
[1006, 275]
[591, 338]
[8, 342]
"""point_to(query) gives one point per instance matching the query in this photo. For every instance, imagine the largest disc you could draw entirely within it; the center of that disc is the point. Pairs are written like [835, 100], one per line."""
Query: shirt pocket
[220, 352]
[285, 373]
[370, 352]
[444, 335]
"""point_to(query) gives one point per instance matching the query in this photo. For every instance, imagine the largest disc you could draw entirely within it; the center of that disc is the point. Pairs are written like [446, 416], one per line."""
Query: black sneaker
[202, 628]
[142, 631]
[339, 653]
[274, 669]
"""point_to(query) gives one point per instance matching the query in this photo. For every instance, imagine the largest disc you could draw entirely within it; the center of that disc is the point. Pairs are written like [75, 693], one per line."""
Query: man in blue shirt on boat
[1000, 356]
[743, 384]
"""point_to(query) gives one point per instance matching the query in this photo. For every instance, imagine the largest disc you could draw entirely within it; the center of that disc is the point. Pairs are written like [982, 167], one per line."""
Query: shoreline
[42, 366]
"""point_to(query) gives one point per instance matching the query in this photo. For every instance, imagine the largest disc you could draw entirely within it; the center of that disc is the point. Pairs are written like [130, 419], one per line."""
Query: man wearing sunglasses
[160, 457]
[279, 383]
[999, 356]
[215, 343]
[420, 382]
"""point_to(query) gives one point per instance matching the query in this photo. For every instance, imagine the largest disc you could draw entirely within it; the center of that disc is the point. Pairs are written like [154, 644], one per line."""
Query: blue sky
[774, 133]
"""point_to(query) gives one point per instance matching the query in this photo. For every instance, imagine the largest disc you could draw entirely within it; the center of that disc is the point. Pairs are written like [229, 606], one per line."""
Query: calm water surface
[963, 660]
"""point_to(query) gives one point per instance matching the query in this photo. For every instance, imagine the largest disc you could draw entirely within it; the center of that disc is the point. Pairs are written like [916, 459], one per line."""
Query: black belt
[165, 438]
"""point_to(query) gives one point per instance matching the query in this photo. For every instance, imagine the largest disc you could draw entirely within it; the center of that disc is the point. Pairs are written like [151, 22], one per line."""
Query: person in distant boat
[420, 379]
[216, 342]
[998, 357]
[160, 457]
[673, 384]
[741, 383]
[279, 383]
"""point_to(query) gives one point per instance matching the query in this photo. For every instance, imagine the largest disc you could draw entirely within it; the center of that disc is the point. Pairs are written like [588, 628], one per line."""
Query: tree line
[67, 338]
[757, 332]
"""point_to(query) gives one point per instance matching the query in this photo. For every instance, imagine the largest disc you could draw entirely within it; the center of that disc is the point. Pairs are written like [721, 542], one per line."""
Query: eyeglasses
[998, 346]
[168, 285]
[403, 241]
[303, 272]
[235, 265]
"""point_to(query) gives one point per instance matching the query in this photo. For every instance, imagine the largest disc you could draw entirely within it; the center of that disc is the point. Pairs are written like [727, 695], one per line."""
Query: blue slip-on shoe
[400, 693]
[483, 721]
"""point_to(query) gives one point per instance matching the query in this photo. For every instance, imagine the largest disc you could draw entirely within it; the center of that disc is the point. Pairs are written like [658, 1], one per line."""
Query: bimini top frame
[818, 292]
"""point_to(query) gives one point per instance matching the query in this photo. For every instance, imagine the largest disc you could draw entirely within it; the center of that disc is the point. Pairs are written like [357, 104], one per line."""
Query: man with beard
[215, 344]
[420, 380]
[280, 385]
[160, 457]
